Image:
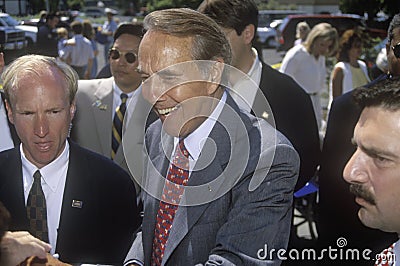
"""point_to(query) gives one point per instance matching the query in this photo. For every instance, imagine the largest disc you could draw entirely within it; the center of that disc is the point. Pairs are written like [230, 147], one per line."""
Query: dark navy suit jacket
[101, 230]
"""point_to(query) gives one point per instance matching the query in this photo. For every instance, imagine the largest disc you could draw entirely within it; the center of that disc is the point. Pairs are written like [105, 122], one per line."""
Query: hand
[17, 246]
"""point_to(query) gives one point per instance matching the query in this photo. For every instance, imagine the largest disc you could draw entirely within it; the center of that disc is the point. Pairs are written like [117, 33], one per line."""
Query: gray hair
[209, 42]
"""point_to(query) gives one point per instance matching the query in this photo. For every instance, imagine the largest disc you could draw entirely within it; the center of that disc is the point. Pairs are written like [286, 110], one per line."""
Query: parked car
[267, 35]
[12, 39]
[30, 31]
[268, 21]
[287, 30]
[93, 12]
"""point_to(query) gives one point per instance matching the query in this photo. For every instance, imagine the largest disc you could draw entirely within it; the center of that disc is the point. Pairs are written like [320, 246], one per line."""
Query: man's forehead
[160, 50]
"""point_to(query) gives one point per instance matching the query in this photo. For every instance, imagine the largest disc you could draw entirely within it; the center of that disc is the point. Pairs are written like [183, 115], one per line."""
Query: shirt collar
[48, 172]
[118, 91]
[194, 142]
[256, 63]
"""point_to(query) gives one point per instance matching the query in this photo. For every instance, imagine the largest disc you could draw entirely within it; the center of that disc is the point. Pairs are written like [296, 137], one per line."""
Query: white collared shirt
[131, 101]
[54, 176]
[396, 250]
[245, 90]
[6, 141]
[194, 142]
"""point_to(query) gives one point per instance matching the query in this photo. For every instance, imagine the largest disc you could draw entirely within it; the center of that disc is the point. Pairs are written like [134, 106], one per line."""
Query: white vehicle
[267, 34]
[30, 31]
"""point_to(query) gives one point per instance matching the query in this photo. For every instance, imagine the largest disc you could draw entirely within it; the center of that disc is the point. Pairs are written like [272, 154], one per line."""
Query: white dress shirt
[245, 90]
[396, 249]
[131, 101]
[194, 142]
[6, 141]
[54, 176]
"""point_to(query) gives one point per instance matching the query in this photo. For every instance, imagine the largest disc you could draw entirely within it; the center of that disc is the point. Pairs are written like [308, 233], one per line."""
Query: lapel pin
[77, 204]
[265, 115]
[100, 105]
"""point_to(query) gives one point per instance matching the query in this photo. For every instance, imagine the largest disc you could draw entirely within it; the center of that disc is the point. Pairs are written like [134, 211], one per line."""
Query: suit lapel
[156, 172]
[133, 137]
[102, 112]
[12, 191]
[76, 189]
[259, 107]
[203, 184]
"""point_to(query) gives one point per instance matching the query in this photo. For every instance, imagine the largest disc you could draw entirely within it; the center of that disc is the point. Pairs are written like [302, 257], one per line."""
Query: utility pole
[47, 6]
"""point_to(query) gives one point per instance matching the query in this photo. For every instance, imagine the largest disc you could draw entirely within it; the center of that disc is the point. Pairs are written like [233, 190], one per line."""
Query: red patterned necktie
[36, 209]
[386, 257]
[178, 175]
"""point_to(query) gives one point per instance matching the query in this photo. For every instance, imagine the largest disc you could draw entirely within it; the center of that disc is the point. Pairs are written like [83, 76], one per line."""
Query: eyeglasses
[129, 56]
[396, 50]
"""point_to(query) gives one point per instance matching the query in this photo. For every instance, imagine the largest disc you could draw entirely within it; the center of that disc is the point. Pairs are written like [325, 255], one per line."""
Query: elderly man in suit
[291, 107]
[98, 124]
[228, 189]
[79, 201]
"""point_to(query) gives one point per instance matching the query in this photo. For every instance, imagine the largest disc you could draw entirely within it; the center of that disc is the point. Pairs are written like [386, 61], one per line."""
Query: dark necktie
[117, 125]
[36, 209]
[178, 175]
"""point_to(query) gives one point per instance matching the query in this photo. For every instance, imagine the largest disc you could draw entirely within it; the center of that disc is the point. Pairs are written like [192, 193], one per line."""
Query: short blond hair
[38, 65]
[62, 32]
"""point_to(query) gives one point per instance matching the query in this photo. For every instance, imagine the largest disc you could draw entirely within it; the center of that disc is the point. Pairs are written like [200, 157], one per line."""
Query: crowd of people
[189, 150]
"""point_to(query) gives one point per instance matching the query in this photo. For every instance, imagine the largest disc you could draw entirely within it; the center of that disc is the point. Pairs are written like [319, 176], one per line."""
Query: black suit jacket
[337, 210]
[99, 232]
[294, 117]
[14, 135]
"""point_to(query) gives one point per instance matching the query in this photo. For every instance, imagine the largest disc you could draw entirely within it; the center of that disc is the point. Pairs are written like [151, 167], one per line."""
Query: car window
[9, 21]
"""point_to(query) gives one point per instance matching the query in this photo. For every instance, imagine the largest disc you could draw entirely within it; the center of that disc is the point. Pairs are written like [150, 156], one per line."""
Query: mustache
[360, 192]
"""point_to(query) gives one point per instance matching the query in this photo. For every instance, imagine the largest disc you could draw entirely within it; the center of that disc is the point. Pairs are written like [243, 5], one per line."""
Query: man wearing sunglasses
[337, 211]
[98, 99]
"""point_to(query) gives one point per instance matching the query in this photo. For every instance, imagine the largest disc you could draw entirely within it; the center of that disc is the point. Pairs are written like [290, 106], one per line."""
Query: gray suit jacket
[230, 229]
[92, 125]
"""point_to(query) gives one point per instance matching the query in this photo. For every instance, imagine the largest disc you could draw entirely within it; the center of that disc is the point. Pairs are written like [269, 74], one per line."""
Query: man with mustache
[336, 214]
[373, 170]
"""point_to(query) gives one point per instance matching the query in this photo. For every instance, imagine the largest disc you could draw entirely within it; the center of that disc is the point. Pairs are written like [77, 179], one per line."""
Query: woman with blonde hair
[305, 63]
[302, 30]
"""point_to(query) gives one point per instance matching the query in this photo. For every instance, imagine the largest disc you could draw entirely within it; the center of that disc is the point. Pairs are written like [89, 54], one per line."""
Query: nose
[41, 126]
[153, 89]
[355, 169]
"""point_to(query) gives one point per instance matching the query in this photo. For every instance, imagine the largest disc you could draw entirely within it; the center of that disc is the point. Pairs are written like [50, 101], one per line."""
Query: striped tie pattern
[117, 125]
[36, 209]
[178, 175]
[386, 257]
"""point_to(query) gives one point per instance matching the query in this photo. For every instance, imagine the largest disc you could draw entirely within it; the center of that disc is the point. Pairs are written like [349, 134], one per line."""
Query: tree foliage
[163, 4]
[371, 7]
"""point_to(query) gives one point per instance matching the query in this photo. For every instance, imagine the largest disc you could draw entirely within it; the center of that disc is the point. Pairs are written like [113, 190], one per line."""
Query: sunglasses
[129, 56]
[396, 50]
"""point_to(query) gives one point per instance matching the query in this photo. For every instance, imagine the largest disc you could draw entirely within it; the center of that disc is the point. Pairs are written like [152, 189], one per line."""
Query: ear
[248, 33]
[9, 112]
[216, 75]
[72, 109]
